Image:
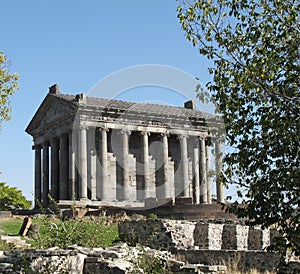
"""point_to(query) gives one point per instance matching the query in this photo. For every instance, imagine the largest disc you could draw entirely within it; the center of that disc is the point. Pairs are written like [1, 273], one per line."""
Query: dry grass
[252, 271]
[233, 267]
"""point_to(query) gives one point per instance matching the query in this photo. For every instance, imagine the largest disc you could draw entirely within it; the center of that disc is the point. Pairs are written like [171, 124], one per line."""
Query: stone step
[15, 240]
[10, 239]
[206, 269]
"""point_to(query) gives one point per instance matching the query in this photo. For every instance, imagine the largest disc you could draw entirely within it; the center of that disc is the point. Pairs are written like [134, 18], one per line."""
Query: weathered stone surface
[242, 260]
[258, 238]
[235, 237]
[174, 234]
[120, 259]
[151, 233]
[15, 241]
[208, 235]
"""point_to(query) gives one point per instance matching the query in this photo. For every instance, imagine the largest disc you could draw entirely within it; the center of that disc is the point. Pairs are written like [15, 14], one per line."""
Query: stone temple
[94, 151]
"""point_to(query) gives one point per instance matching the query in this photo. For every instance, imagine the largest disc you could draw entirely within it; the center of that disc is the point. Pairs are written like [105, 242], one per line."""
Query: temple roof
[146, 108]
[59, 111]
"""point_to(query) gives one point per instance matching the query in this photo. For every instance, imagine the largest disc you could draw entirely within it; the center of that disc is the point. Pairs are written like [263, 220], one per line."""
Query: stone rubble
[119, 259]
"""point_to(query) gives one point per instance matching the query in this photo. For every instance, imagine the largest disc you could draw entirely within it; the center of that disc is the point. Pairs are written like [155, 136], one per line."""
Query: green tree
[12, 198]
[8, 86]
[254, 48]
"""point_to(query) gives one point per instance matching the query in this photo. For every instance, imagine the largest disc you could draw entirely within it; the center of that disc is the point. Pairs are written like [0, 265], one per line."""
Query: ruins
[94, 151]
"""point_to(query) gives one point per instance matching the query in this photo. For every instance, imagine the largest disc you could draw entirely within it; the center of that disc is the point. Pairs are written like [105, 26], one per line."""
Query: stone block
[258, 239]
[183, 200]
[165, 201]
[201, 235]
[235, 237]
[25, 226]
[150, 202]
[208, 236]
[5, 214]
[274, 233]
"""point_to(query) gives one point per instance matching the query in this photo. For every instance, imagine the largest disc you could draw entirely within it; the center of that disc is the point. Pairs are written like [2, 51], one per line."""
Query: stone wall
[175, 234]
[236, 260]
[205, 242]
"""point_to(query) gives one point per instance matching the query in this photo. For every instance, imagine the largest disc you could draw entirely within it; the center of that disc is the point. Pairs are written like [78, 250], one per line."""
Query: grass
[55, 232]
[253, 271]
[82, 232]
[10, 226]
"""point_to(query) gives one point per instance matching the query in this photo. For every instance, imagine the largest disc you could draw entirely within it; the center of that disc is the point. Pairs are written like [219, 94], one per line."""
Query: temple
[95, 151]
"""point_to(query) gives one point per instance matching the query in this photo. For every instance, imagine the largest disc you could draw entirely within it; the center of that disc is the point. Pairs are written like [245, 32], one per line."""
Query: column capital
[104, 129]
[167, 133]
[83, 126]
[54, 141]
[46, 144]
[125, 131]
[183, 136]
[64, 134]
[145, 133]
[36, 146]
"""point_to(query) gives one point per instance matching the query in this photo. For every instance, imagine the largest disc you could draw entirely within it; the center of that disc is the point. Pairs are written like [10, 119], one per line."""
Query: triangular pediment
[52, 110]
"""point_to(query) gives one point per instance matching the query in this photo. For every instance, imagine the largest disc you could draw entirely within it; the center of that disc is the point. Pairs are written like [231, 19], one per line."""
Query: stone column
[145, 165]
[54, 169]
[83, 162]
[72, 165]
[104, 166]
[203, 185]
[167, 187]
[37, 175]
[184, 163]
[125, 164]
[196, 173]
[45, 174]
[63, 167]
[208, 181]
[218, 167]
[93, 175]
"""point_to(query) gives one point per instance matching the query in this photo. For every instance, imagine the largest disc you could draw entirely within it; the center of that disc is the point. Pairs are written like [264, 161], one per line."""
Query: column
[104, 174]
[54, 169]
[72, 165]
[45, 174]
[125, 166]
[196, 173]
[63, 167]
[184, 162]
[145, 190]
[218, 167]
[93, 175]
[83, 162]
[203, 184]
[208, 181]
[37, 176]
[166, 187]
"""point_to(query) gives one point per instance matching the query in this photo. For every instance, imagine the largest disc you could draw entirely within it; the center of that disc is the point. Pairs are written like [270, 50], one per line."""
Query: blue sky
[76, 44]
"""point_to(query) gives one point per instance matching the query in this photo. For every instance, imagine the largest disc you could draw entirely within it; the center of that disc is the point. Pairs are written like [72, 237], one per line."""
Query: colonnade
[67, 172]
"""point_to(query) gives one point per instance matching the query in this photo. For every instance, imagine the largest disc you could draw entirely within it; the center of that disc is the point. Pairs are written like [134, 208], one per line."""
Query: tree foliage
[254, 46]
[8, 86]
[12, 198]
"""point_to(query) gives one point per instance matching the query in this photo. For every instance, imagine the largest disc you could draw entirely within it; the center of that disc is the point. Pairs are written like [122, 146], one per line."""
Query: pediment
[51, 112]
